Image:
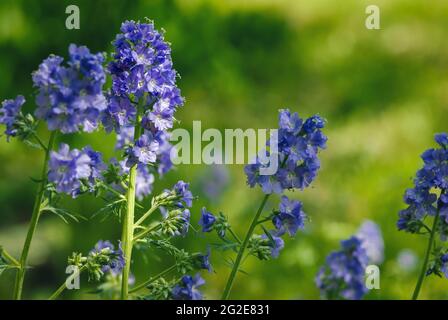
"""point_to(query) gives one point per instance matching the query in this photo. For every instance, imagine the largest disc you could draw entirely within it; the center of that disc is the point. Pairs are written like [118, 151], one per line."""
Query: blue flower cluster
[9, 113]
[73, 170]
[116, 260]
[342, 276]
[143, 76]
[422, 201]
[187, 289]
[288, 219]
[298, 145]
[70, 98]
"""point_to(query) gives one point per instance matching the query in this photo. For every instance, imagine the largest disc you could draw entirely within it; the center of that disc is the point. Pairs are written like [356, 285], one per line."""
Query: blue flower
[125, 137]
[204, 261]
[182, 190]
[185, 218]
[164, 163]
[290, 217]
[298, 145]
[342, 276]
[444, 261]
[214, 181]
[9, 113]
[442, 139]
[70, 98]
[68, 169]
[144, 151]
[207, 220]
[116, 261]
[120, 114]
[187, 289]
[276, 245]
[422, 201]
[372, 241]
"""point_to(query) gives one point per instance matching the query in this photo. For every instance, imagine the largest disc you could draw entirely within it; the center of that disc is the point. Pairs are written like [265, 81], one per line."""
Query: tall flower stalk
[139, 107]
[69, 99]
[128, 227]
[243, 247]
[298, 145]
[429, 198]
[426, 260]
[20, 276]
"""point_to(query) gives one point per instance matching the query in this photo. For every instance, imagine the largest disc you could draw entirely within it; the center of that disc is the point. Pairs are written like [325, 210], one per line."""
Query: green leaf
[111, 209]
[63, 214]
[268, 234]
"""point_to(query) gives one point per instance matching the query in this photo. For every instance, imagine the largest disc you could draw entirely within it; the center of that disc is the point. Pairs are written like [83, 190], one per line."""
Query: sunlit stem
[234, 235]
[9, 258]
[152, 279]
[427, 254]
[243, 247]
[34, 220]
[145, 232]
[128, 221]
[63, 286]
[146, 215]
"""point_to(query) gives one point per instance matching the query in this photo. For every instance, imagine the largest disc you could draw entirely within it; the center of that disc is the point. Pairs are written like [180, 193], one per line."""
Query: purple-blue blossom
[142, 68]
[289, 218]
[144, 151]
[298, 145]
[70, 98]
[342, 276]
[276, 244]
[204, 261]
[444, 267]
[214, 181]
[372, 241]
[9, 113]
[429, 194]
[182, 190]
[207, 220]
[187, 289]
[116, 258]
[69, 170]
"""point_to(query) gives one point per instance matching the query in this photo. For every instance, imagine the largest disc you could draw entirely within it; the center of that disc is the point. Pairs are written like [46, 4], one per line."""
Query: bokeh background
[384, 94]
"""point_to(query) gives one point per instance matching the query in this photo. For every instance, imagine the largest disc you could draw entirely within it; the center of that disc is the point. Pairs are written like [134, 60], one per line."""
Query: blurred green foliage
[384, 93]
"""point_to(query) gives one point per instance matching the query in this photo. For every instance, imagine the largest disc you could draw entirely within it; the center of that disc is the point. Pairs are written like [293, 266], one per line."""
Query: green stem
[128, 232]
[243, 246]
[145, 232]
[34, 220]
[9, 258]
[152, 279]
[234, 235]
[146, 215]
[127, 237]
[63, 286]
[425, 262]
[39, 141]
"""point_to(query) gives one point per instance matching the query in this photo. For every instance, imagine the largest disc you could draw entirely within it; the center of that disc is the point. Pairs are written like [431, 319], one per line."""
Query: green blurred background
[384, 94]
